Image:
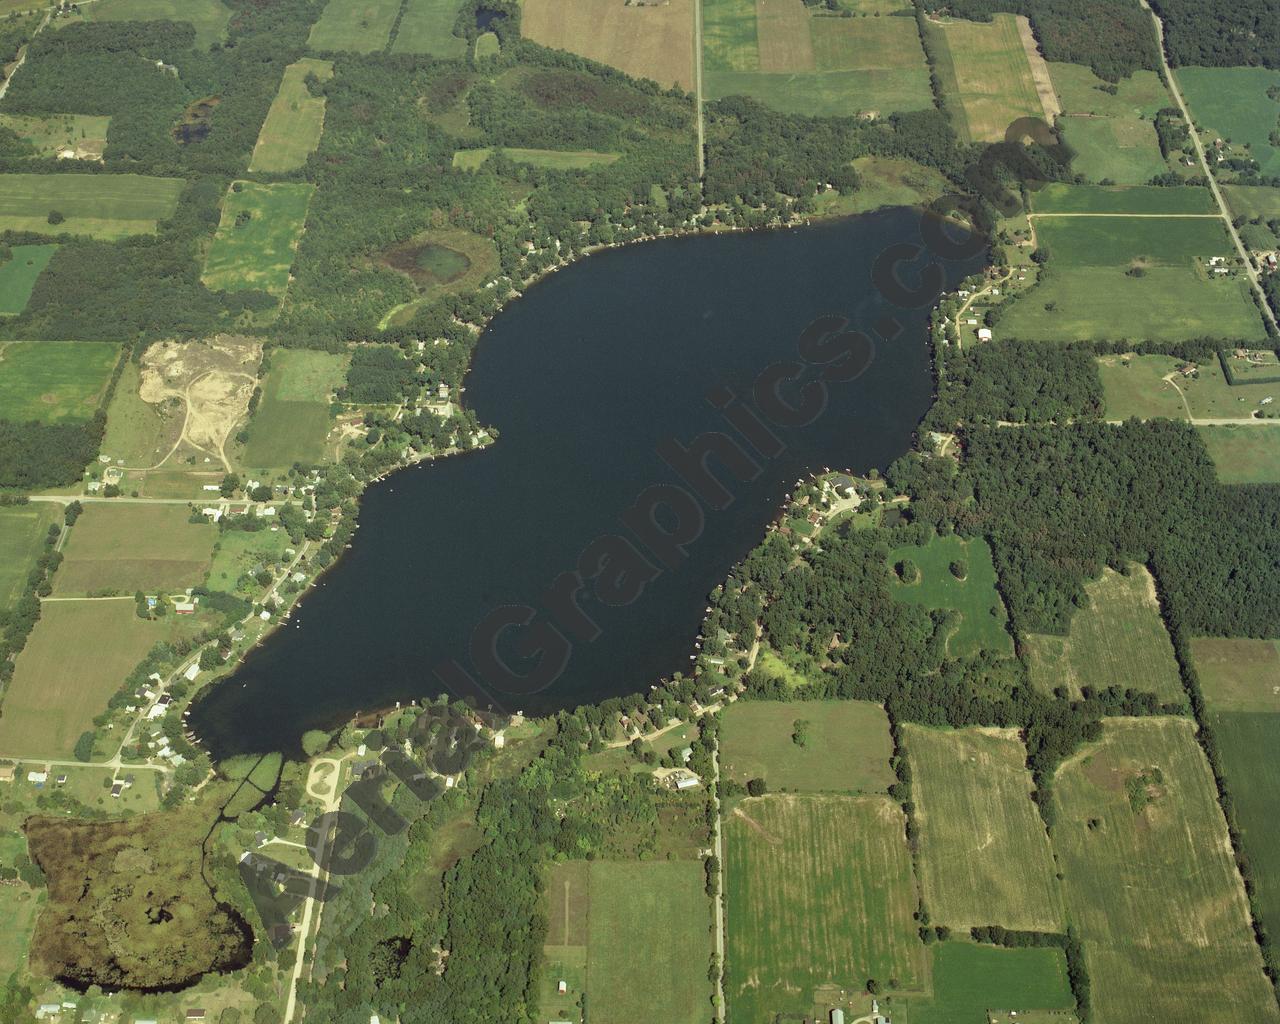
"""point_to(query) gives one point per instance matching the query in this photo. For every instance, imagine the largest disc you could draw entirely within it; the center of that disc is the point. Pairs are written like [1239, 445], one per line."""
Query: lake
[451, 582]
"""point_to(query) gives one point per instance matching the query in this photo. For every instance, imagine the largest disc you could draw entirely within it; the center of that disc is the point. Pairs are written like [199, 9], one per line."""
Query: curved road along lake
[588, 377]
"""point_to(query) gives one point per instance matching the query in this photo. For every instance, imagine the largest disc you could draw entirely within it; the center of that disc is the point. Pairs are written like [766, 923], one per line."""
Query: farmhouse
[6, 773]
[984, 333]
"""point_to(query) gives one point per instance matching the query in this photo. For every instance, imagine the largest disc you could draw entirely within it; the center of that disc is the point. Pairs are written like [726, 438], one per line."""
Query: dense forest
[1015, 382]
[37, 455]
[1224, 33]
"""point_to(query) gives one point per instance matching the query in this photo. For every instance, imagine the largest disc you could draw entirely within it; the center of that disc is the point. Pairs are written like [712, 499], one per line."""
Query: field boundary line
[697, 86]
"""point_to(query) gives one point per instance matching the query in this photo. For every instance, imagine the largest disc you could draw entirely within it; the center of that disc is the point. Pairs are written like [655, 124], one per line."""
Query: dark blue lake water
[590, 376]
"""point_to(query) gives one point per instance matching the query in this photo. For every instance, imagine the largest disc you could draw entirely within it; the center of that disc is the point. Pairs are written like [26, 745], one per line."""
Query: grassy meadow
[1241, 684]
[54, 381]
[847, 749]
[208, 17]
[18, 275]
[1114, 136]
[75, 660]
[106, 206]
[969, 980]
[257, 237]
[985, 74]
[51, 134]
[355, 26]
[983, 853]
[1244, 454]
[600, 913]
[974, 598]
[126, 548]
[239, 552]
[551, 159]
[1136, 386]
[23, 529]
[1232, 103]
[138, 432]
[820, 893]
[1152, 888]
[292, 420]
[1117, 639]
[426, 26]
[886, 181]
[295, 121]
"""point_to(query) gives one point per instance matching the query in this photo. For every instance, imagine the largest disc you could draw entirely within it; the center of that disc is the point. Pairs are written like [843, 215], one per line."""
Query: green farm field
[1152, 888]
[985, 74]
[1087, 291]
[1119, 240]
[982, 614]
[356, 26]
[23, 529]
[1238, 674]
[209, 17]
[75, 660]
[257, 237]
[1241, 684]
[614, 909]
[125, 548]
[778, 53]
[551, 159]
[85, 135]
[969, 980]
[1232, 103]
[983, 853]
[1117, 639]
[1253, 200]
[1059, 198]
[53, 381]
[426, 26]
[1125, 151]
[847, 750]
[106, 206]
[1136, 386]
[819, 893]
[1244, 454]
[292, 419]
[18, 275]
[295, 121]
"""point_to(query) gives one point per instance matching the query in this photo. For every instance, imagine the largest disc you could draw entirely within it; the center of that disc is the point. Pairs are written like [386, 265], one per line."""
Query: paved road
[330, 802]
[67, 499]
[1204, 164]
